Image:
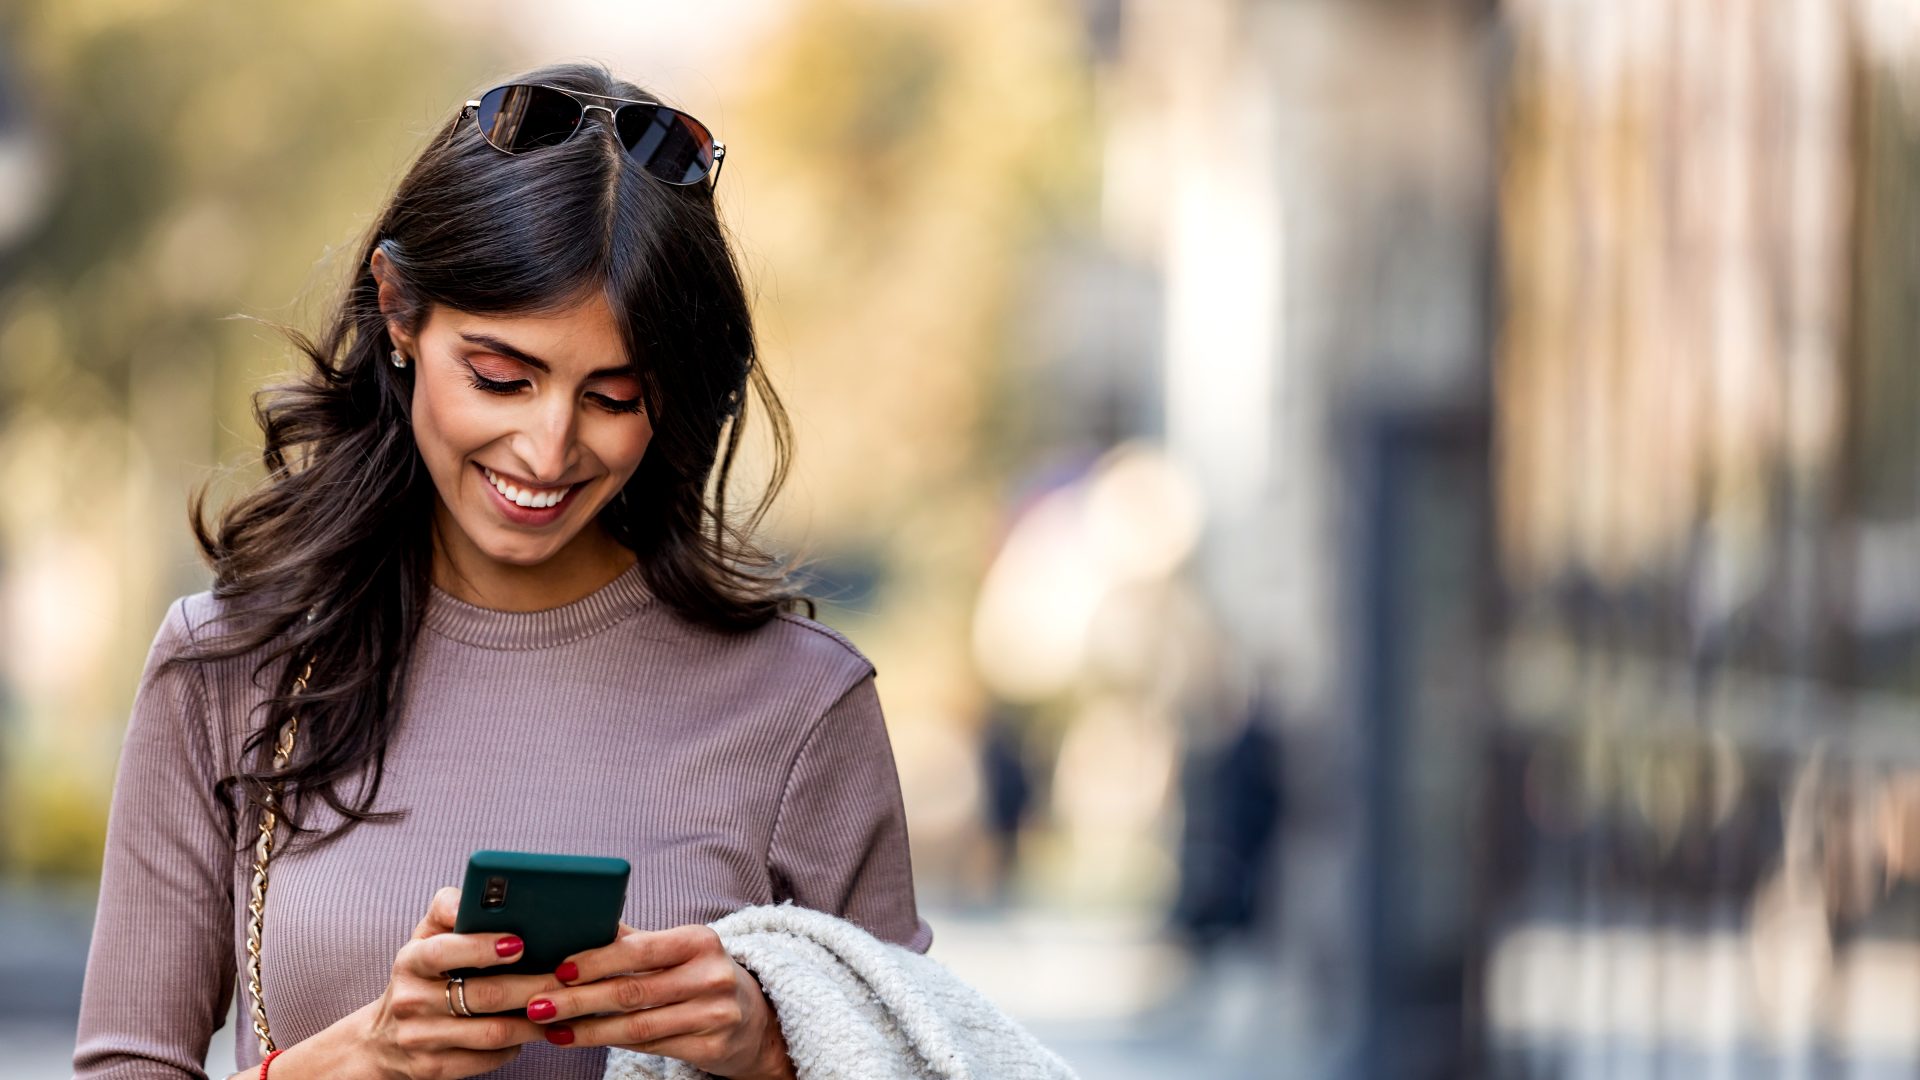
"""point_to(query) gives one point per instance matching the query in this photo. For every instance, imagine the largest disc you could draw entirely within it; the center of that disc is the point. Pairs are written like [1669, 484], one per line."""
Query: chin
[504, 547]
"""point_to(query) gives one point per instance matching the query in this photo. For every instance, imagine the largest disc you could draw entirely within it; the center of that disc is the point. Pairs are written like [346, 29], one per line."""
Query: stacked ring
[461, 1008]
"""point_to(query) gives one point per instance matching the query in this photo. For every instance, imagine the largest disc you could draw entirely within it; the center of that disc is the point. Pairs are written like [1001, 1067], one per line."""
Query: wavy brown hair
[340, 526]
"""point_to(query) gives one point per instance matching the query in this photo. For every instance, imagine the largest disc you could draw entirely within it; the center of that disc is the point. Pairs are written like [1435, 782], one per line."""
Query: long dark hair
[340, 526]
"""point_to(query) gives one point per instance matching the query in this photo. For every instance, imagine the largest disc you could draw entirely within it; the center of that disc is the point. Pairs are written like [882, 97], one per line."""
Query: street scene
[1387, 531]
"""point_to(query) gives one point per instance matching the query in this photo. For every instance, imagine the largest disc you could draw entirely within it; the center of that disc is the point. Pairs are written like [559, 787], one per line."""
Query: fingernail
[560, 1036]
[540, 1009]
[508, 945]
[566, 972]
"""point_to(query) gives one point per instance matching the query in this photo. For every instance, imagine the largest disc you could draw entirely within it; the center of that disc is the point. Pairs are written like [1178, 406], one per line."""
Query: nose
[546, 442]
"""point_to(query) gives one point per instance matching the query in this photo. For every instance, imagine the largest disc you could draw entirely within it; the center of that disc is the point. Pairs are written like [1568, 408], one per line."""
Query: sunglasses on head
[668, 143]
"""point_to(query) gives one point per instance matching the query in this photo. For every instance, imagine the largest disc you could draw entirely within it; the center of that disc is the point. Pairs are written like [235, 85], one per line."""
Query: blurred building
[1708, 454]
[1543, 371]
[1289, 300]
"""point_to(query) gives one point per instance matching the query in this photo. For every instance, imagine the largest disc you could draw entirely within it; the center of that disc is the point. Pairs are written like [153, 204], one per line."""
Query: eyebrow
[488, 341]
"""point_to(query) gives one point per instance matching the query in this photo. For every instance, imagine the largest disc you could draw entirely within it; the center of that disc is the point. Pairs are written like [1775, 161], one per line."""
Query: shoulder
[180, 624]
[810, 636]
[200, 623]
[194, 614]
[807, 652]
[790, 654]
[785, 639]
[169, 657]
[198, 619]
[170, 669]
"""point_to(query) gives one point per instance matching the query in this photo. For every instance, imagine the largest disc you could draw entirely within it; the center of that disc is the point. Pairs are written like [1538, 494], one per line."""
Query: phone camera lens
[495, 894]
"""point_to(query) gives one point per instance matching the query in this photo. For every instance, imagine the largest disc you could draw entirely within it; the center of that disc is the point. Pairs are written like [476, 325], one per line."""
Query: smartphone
[558, 904]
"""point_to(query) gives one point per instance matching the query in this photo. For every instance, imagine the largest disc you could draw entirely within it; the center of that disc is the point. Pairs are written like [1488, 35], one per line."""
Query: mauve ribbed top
[729, 770]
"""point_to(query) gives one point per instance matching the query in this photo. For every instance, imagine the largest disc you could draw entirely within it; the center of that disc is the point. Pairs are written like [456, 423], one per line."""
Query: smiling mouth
[526, 496]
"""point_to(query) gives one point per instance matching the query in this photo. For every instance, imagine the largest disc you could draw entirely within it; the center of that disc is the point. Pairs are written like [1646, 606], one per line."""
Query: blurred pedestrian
[1009, 791]
[1231, 797]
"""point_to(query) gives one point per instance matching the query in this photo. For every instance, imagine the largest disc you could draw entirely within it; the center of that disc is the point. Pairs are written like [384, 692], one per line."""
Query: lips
[526, 515]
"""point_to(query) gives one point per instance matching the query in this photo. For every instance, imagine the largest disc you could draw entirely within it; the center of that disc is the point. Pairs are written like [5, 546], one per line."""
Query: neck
[589, 561]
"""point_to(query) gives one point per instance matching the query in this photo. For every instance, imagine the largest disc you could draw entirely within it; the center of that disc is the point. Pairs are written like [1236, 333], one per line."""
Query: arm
[840, 840]
[160, 968]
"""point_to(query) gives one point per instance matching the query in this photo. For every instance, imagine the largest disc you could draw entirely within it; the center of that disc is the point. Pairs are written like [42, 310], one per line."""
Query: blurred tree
[900, 165]
[204, 156]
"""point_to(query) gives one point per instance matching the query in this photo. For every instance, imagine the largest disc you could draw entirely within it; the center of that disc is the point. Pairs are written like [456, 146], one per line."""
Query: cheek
[626, 444]
[447, 425]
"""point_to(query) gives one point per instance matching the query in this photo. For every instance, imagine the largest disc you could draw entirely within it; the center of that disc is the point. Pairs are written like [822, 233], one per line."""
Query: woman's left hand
[671, 992]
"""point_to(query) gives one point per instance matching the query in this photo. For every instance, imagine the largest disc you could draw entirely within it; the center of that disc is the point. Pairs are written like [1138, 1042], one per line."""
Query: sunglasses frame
[613, 124]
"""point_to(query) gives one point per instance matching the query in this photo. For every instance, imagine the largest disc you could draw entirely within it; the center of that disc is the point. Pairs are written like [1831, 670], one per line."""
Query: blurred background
[1389, 529]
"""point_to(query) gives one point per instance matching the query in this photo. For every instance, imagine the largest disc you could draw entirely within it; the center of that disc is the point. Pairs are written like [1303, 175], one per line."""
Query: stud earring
[399, 358]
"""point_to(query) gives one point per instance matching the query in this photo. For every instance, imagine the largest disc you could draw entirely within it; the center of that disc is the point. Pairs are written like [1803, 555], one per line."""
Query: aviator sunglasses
[669, 144]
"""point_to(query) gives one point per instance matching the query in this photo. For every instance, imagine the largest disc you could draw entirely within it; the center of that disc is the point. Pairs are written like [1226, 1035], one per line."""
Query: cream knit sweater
[853, 1007]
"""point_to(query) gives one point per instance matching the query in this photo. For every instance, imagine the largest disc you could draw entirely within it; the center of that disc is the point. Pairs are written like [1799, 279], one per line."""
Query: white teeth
[528, 498]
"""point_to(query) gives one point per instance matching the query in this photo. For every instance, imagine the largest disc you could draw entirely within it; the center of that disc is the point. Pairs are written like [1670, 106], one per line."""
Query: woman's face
[528, 424]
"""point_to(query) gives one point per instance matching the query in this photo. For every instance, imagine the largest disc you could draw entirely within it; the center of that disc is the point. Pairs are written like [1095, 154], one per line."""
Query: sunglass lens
[517, 118]
[671, 145]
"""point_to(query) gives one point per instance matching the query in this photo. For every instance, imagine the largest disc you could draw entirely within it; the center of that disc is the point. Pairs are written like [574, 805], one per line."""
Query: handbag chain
[262, 852]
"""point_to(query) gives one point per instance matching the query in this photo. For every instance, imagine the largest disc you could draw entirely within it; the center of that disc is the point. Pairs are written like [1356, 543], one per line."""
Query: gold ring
[461, 1009]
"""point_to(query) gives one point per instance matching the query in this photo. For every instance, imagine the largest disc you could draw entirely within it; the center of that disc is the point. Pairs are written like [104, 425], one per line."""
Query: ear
[392, 302]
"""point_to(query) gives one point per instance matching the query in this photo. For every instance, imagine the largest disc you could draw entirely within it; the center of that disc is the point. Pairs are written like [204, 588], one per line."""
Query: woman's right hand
[408, 1033]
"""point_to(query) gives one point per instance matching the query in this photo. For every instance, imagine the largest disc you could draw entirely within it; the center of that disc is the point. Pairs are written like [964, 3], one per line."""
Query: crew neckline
[488, 628]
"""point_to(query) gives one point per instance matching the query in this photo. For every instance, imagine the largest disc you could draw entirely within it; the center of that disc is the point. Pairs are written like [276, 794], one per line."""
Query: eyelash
[481, 382]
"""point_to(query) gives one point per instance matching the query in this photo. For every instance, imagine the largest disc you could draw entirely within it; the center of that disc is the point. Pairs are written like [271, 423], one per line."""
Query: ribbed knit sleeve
[840, 839]
[159, 970]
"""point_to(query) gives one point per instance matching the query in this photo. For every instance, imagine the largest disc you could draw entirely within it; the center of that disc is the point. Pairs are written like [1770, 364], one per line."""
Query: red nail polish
[566, 972]
[508, 945]
[560, 1036]
[540, 1009]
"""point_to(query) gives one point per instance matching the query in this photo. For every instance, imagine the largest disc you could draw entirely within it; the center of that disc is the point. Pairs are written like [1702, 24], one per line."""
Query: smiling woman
[523, 436]
[484, 565]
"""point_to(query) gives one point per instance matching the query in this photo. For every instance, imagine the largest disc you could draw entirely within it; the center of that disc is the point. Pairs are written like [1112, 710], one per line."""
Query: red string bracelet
[268, 1060]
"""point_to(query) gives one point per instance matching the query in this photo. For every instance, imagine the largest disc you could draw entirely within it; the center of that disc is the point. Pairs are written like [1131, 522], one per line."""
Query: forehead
[579, 338]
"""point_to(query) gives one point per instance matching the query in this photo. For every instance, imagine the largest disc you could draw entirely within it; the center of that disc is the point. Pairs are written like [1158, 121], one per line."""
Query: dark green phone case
[558, 904]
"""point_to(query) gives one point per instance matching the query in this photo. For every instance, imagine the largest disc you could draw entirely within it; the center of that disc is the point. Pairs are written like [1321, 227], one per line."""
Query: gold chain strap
[262, 851]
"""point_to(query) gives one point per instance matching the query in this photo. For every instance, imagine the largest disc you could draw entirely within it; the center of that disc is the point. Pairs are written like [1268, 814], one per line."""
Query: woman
[484, 523]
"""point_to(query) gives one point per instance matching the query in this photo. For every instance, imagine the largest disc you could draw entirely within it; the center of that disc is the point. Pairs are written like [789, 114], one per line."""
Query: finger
[508, 993]
[631, 993]
[474, 1062]
[643, 950]
[486, 1035]
[653, 1026]
[441, 913]
[432, 957]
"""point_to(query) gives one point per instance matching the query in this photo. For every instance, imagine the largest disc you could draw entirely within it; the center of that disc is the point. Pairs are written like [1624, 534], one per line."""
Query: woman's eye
[492, 386]
[481, 382]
